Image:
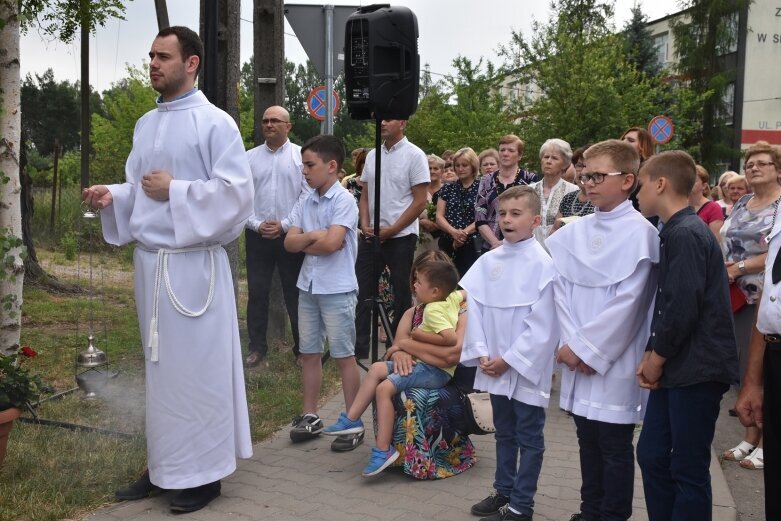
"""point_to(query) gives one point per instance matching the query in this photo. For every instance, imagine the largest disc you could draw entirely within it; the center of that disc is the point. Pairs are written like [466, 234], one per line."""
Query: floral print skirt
[429, 433]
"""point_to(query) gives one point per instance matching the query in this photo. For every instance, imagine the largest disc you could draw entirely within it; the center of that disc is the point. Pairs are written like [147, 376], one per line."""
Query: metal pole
[85, 112]
[378, 265]
[329, 69]
[161, 10]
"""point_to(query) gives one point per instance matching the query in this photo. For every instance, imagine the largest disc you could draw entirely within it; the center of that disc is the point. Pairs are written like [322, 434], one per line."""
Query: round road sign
[316, 103]
[661, 129]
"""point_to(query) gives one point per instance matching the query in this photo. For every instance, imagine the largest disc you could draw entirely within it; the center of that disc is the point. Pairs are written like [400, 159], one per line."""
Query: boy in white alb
[511, 336]
[606, 264]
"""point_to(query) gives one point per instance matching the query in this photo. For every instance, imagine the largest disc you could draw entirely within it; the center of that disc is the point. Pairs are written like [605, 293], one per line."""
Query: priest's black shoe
[192, 499]
[139, 489]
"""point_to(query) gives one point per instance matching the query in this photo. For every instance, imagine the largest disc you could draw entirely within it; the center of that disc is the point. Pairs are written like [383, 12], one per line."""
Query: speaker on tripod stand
[382, 79]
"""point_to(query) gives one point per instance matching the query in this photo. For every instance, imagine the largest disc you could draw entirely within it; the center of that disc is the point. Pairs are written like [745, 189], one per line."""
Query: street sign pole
[329, 69]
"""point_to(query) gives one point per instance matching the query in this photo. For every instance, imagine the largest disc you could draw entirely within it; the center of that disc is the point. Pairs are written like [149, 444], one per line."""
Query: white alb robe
[604, 290]
[197, 421]
[511, 314]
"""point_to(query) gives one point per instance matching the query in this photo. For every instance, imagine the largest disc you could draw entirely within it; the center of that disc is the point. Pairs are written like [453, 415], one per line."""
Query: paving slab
[285, 481]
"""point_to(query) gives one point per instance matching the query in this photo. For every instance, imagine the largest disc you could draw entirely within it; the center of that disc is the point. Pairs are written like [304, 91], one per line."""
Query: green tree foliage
[112, 134]
[62, 19]
[639, 44]
[466, 109]
[50, 111]
[703, 39]
[582, 87]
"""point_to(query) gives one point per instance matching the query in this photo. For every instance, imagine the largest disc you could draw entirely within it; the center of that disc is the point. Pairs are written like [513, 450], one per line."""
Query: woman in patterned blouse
[456, 212]
[555, 158]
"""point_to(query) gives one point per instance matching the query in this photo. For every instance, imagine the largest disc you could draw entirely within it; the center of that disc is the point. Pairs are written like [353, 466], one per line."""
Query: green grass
[51, 473]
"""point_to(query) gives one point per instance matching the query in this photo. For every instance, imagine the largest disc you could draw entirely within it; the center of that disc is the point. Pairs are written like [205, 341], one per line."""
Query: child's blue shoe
[379, 461]
[344, 425]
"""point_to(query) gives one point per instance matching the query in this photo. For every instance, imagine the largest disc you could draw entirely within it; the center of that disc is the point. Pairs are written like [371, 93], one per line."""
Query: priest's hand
[270, 229]
[97, 197]
[156, 183]
[749, 405]
[567, 357]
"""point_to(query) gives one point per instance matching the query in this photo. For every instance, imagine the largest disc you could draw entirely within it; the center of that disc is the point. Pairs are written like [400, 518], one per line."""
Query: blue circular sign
[661, 129]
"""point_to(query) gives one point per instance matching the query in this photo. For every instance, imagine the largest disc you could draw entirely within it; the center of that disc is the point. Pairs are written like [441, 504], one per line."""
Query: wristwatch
[742, 266]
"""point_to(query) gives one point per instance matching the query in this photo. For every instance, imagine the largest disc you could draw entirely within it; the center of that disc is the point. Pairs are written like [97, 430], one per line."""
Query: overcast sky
[448, 28]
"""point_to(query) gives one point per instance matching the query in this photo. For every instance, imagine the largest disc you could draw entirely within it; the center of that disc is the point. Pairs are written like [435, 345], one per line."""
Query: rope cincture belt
[161, 275]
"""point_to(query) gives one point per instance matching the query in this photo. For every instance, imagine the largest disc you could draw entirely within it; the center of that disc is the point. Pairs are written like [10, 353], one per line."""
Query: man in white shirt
[404, 179]
[279, 183]
[187, 191]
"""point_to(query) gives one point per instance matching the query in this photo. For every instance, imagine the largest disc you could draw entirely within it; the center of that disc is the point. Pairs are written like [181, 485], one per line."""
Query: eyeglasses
[597, 177]
[272, 121]
[758, 164]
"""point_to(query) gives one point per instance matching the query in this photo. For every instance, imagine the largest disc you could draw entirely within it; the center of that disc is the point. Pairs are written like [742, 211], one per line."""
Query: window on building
[662, 44]
[729, 43]
[728, 100]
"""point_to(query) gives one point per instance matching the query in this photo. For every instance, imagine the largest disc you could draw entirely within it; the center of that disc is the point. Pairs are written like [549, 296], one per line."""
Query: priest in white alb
[187, 192]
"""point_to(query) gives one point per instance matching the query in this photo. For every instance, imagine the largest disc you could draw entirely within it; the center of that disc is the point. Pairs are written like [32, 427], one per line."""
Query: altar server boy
[511, 337]
[604, 293]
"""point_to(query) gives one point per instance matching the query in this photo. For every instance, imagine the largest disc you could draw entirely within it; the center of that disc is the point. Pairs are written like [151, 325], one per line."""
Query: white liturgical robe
[604, 290]
[511, 314]
[197, 421]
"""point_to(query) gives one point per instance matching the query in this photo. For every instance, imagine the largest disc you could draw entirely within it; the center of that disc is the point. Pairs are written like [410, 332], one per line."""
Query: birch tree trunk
[11, 261]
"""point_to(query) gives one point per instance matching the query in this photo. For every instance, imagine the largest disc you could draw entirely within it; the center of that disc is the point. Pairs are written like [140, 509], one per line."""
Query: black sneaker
[490, 505]
[576, 517]
[139, 489]
[505, 514]
[306, 427]
[347, 442]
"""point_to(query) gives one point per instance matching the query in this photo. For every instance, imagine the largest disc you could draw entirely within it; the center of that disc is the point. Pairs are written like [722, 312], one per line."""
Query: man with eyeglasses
[277, 172]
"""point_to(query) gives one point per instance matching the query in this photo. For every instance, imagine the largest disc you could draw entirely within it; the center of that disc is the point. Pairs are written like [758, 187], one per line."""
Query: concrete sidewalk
[285, 482]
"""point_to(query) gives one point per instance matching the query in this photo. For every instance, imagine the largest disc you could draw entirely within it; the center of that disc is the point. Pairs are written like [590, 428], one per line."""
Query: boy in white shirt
[324, 226]
[511, 336]
[604, 290]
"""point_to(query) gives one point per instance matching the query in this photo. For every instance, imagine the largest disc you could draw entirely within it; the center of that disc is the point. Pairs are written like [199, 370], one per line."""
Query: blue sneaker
[344, 425]
[379, 461]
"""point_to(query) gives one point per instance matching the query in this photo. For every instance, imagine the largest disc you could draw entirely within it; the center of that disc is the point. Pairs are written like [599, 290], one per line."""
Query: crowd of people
[652, 292]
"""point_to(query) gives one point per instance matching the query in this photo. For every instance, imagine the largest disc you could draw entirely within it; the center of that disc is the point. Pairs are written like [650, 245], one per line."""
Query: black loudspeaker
[381, 63]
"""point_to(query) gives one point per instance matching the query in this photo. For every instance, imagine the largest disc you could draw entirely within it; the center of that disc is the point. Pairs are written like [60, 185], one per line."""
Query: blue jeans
[422, 375]
[607, 468]
[332, 316]
[518, 432]
[674, 451]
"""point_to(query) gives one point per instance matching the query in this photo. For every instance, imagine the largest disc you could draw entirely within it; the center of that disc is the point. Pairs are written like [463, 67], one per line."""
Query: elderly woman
[509, 174]
[640, 139]
[720, 195]
[709, 211]
[574, 205]
[555, 158]
[489, 161]
[456, 212]
[737, 187]
[744, 239]
[429, 230]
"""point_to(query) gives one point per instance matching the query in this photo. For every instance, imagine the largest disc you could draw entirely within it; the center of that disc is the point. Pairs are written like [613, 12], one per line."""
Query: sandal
[739, 452]
[756, 461]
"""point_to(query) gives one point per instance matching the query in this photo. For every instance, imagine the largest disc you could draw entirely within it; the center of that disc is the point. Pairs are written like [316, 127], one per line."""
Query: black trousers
[771, 434]
[607, 467]
[263, 256]
[464, 256]
[397, 254]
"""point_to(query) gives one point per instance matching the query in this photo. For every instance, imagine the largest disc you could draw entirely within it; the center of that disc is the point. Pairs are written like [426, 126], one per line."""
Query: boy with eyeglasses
[604, 293]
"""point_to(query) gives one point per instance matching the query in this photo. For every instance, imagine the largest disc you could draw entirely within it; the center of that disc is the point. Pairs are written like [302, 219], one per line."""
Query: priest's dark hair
[190, 43]
[440, 274]
[329, 148]
[676, 166]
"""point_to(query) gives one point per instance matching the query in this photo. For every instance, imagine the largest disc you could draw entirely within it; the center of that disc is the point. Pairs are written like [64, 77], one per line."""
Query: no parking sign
[661, 129]
[316, 103]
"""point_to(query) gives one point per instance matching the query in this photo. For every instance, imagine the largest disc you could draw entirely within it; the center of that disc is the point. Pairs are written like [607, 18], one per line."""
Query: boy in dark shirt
[690, 359]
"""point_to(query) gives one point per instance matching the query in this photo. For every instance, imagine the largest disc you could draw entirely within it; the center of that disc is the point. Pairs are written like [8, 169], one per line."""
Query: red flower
[29, 352]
